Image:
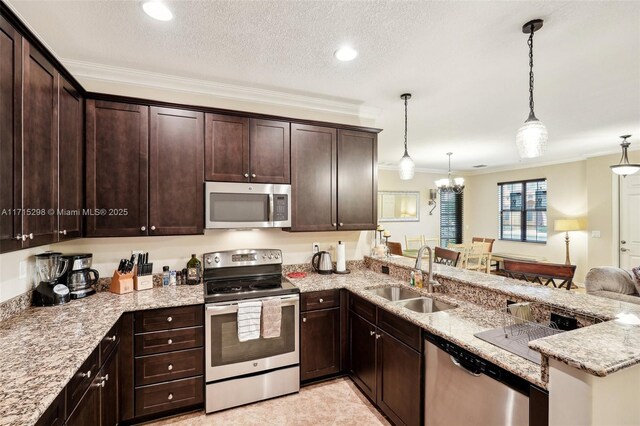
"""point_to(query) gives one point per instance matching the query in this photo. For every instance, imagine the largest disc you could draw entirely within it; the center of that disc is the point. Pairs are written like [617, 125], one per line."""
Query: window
[523, 211]
[450, 218]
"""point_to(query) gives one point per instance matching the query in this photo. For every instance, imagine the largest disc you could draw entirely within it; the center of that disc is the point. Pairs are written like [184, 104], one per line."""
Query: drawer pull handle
[100, 384]
[170, 367]
[169, 342]
[304, 320]
[87, 374]
[170, 397]
[321, 300]
[169, 319]
[111, 339]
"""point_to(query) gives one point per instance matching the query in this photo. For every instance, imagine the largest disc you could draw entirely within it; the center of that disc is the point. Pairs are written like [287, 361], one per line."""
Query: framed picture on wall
[398, 206]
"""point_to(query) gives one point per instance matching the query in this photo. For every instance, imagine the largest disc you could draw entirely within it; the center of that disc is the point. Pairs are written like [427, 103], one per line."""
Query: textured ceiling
[465, 63]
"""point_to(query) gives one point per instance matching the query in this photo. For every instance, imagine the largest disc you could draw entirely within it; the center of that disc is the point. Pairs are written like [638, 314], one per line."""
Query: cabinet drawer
[365, 309]
[169, 366]
[319, 300]
[169, 318]
[401, 329]
[54, 415]
[170, 340]
[167, 396]
[109, 341]
[81, 380]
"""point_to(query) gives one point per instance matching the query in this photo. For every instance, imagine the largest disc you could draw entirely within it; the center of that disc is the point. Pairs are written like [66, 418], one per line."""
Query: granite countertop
[42, 348]
[457, 325]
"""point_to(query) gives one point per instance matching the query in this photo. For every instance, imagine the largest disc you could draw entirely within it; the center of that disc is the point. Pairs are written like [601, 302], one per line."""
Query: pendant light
[624, 168]
[531, 138]
[450, 185]
[406, 166]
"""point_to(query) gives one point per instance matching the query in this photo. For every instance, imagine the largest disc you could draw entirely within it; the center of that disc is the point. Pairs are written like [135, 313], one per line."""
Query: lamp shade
[565, 225]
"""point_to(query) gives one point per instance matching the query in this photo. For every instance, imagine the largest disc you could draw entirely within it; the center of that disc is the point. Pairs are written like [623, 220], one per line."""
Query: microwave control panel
[280, 207]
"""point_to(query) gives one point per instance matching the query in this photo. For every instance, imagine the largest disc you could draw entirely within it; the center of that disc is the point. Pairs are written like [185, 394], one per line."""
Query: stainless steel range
[239, 372]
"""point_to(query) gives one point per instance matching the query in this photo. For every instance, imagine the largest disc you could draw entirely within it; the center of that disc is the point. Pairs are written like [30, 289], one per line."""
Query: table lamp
[566, 225]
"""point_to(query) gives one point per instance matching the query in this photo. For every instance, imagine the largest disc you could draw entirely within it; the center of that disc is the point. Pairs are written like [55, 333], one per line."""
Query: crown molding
[129, 76]
[393, 167]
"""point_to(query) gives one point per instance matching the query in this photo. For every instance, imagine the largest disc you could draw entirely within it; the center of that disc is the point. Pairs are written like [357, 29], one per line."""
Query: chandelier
[450, 184]
[624, 168]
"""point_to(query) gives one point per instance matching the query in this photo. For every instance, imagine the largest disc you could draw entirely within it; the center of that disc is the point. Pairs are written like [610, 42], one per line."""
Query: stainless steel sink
[425, 305]
[395, 293]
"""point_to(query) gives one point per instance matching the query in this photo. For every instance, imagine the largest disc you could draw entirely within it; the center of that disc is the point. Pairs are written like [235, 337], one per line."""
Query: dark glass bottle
[194, 270]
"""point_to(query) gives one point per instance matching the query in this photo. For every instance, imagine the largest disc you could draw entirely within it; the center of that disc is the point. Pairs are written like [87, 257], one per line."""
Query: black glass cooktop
[240, 288]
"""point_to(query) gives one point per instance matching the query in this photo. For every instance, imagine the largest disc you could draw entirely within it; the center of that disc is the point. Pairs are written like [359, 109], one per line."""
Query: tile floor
[336, 402]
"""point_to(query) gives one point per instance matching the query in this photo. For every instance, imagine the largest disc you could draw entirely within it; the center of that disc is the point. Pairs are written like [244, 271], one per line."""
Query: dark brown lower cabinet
[110, 398]
[386, 362]
[87, 412]
[320, 338]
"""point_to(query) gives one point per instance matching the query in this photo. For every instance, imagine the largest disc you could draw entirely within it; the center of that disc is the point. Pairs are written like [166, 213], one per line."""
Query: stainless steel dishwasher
[463, 389]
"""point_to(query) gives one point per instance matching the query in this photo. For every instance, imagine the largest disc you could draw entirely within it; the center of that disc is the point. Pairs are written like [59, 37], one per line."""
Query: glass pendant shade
[624, 168]
[531, 138]
[407, 168]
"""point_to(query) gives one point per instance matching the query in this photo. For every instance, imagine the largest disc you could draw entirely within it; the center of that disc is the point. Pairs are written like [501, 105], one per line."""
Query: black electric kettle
[321, 263]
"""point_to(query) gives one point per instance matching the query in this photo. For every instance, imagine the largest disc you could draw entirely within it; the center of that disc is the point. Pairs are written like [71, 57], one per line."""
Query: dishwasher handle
[475, 373]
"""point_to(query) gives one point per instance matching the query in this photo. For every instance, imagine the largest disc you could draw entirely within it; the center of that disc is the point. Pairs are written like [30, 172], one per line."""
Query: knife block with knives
[143, 278]
[121, 283]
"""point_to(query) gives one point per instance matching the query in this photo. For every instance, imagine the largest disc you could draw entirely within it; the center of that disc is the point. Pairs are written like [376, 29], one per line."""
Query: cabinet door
[109, 397]
[176, 172]
[320, 343]
[40, 149]
[10, 137]
[269, 148]
[87, 412]
[117, 169]
[357, 180]
[71, 154]
[399, 380]
[226, 148]
[313, 178]
[362, 344]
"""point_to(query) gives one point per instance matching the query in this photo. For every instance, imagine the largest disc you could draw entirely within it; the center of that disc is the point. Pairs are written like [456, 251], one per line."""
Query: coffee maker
[49, 292]
[79, 275]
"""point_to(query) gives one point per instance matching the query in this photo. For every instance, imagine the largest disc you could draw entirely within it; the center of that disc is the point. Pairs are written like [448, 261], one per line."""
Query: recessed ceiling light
[480, 166]
[157, 10]
[346, 53]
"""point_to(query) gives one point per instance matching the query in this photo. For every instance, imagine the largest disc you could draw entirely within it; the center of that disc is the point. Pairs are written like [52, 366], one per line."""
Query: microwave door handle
[271, 196]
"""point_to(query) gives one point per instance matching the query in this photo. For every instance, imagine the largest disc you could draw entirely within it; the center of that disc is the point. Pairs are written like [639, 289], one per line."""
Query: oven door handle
[231, 307]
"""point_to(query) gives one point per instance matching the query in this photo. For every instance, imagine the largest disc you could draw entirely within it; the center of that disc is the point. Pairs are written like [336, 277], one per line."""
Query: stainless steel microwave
[247, 205]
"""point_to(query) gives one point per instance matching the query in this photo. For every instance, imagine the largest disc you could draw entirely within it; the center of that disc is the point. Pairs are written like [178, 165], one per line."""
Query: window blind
[450, 218]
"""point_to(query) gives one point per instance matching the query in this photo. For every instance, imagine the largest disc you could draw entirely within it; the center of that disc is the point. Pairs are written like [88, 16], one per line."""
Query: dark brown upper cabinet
[239, 149]
[357, 180]
[117, 181]
[333, 179]
[145, 173]
[176, 172]
[70, 164]
[40, 149]
[313, 178]
[10, 137]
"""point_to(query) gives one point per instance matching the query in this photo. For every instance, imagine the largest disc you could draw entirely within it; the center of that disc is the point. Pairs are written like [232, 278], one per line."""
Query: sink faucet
[431, 283]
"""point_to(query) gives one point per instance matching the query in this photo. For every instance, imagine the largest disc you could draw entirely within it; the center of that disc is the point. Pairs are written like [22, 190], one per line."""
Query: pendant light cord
[530, 43]
[405, 126]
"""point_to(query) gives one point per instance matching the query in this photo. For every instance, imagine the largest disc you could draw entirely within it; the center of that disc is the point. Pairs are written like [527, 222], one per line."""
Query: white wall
[429, 226]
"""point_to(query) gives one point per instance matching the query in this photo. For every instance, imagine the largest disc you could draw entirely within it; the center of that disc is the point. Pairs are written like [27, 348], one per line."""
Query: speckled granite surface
[42, 348]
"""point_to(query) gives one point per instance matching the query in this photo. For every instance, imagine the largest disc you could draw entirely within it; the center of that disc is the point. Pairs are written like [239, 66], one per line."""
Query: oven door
[227, 357]
[238, 205]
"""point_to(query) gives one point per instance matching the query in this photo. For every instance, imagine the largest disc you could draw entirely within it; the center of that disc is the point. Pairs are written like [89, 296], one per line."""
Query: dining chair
[445, 256]
[462, 249]
[476, 257]
[414, 243]
[394, 248]
[541, 273]
[431, 241]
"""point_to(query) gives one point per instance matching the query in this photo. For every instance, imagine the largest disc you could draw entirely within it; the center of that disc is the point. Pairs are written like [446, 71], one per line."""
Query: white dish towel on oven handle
[271, 318]
[249, 320]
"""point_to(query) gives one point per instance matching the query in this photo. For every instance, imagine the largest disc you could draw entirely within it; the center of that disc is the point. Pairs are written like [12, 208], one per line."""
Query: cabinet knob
[321, 300]
[333, 224]
[246, 175]
[63, 232]
[253, 175]
[341, 224]
[378, 336]
[304, 320]
[111, 339]
[87, 374]
[153, 228]
[24, 237]
[100, 384]
[31, 235]
[371, 333]
[170, 397]
[106, 377]
[170, 367]
[18, 237]
[169, 319]
[169, 342]
[143, 228]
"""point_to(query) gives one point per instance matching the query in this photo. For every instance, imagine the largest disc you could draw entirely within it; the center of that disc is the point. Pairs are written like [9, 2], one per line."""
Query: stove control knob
[208, 259]
[217, 259]
[270, 256]
[277, 256]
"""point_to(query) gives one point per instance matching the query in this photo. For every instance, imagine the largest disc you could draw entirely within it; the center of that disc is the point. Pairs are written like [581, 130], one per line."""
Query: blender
[49, 292]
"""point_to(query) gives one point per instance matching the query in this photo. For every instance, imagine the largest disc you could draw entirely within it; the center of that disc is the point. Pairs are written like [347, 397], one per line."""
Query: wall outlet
[137, 252]
[595, 234]
[315, 247]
